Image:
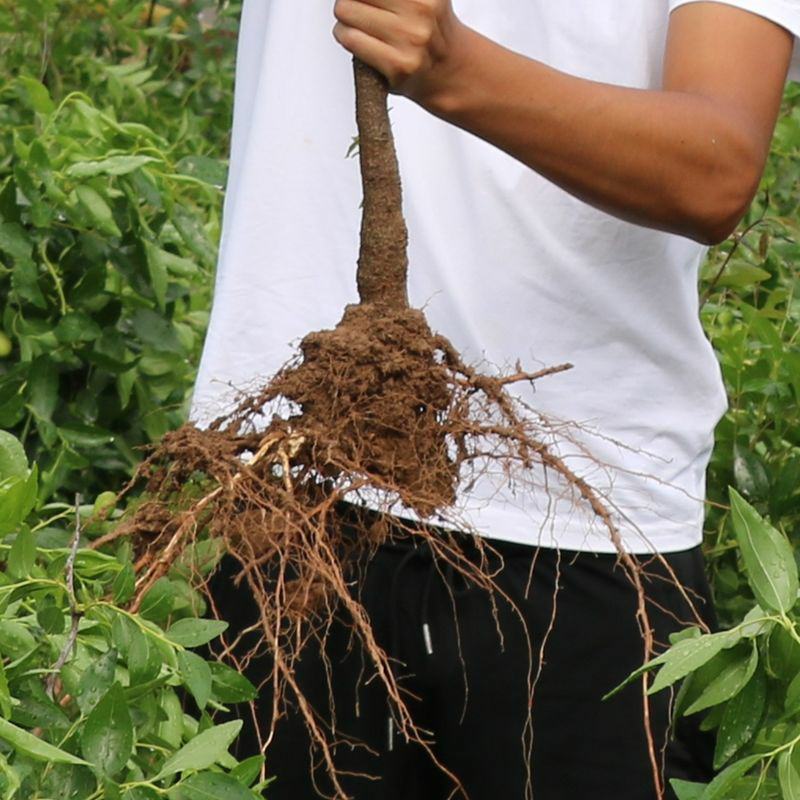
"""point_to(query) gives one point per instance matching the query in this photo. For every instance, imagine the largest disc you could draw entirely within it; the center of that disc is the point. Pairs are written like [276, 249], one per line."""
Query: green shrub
[97, 701]
[111, 134]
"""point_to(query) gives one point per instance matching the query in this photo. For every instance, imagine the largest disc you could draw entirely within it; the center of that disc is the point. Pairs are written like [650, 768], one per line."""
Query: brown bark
[383, 258]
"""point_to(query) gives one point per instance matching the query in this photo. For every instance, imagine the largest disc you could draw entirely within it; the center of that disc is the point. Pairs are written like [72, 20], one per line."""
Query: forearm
[670, 160]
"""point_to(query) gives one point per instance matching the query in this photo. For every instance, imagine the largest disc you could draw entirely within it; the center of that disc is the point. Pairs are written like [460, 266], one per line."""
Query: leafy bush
[93, 697]
[110, 191]
[746, 678]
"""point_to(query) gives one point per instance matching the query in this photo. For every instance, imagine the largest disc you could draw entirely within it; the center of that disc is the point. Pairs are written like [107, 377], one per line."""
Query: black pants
[471, 693]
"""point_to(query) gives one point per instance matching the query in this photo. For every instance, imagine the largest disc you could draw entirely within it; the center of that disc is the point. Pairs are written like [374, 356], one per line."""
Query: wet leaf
[107, 739]
[96, 681]
[195, 632]
[34, 747]
[741, 719]
[213, 786]
[767, 555]
[203, 750]
[736, 668]
[196, 674]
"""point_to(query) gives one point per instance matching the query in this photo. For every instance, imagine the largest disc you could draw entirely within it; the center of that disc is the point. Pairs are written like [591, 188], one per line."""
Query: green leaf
[69, 782]
[767, 555]
[15, 639]
[12, 779]
[689, 654]
[685, 790]
[107, 740]
[141, 793]
[96, 681]
[170, 729]
[17, 499]
[195, 632]
[213, 786]
[792, 698]
[788, 775]
[192, 232]
[196, 674]
[203, 750]
[13, 461]
[50, 616]
[42, 390]
[248, 771]
[34, 747]
[124, 584]
[114, 165]
[5, 694]
[159, 600]
[158, 273]
[231, 686]
[205, 169]
[741, 719]
[35, 94]
[736, 668]
[25, 282]
[144, 660]
[22, 555]
[76, 326]
[738, 274]
[98, 210]
[720, 787]
[750, 475]
[783, 654]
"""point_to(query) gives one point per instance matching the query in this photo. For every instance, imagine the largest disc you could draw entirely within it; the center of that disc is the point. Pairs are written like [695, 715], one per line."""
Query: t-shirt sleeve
[784, 12]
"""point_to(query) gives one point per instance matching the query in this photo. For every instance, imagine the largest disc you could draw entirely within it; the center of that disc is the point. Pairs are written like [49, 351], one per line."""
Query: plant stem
[383, 259]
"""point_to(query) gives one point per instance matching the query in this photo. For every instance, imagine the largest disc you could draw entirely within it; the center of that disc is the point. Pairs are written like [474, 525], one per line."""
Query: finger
[386, 5]
[374, 21]
[378, 54]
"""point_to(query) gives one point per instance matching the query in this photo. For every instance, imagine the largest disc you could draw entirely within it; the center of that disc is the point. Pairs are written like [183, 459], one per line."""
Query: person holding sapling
[564, 165]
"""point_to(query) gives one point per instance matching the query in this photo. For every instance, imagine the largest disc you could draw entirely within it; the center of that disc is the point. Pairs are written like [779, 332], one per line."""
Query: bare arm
[686, 158]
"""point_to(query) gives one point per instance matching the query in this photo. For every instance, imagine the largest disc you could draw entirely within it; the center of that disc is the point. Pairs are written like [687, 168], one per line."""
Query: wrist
[442, 88]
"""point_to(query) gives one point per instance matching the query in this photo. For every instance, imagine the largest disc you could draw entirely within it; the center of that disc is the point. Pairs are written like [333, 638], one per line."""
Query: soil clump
[380, 410]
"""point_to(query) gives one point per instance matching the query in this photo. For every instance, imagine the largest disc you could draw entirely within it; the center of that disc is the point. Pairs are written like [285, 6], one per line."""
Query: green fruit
[104, 501]
[5, 345]
[725, 317]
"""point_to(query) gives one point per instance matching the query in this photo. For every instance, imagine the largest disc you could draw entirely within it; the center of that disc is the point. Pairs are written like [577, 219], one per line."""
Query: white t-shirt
[505, 263]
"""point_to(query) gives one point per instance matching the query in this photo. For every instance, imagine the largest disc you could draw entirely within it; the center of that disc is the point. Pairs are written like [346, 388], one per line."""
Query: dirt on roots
[379, 410]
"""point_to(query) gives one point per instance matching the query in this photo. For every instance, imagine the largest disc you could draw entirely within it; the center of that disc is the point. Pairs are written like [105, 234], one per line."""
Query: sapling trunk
[383, 257]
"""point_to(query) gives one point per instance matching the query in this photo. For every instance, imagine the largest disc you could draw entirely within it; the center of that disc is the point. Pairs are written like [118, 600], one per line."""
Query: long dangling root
[379, 411]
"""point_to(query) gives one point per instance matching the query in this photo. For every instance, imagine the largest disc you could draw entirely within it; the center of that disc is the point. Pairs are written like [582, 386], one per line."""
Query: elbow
[714, 211]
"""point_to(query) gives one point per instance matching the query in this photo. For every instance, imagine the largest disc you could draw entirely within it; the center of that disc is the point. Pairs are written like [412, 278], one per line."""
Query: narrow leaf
[98, 210]
[788, 775]
[33, 746]
[213, 786]
[689, 654]
[204, 750]
[736, 670]
[767, 555]
[195, 632]
[685, 790]
[114, 165]
[719, 788]
[741, 719]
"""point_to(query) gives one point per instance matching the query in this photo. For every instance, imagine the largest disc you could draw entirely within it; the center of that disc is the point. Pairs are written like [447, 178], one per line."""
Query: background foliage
[114, 122]
[114, 130]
